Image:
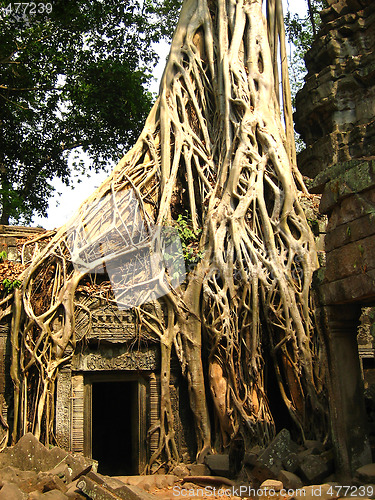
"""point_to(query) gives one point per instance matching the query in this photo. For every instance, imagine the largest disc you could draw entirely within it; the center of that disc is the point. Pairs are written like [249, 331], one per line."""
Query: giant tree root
[213, 145]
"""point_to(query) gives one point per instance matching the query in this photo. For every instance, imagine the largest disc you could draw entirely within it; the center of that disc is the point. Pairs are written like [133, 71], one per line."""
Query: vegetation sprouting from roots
[213, 147]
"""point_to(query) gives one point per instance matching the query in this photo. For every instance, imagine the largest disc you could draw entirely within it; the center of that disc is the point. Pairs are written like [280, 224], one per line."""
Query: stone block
[11, 491]
[27, 454]
[73, 493]
[261, 473]
[48, 482]
[313, 469]
[95, 486]
[359, 287]
[290, 481]
[271, 459]
[252, 455]
[366, 473]
[315, 446]
[199, 470]
[218, 464]
[272, 484]
[54, 495]
[16, 476]
[77, 466]
[291, 462]
[181, 470]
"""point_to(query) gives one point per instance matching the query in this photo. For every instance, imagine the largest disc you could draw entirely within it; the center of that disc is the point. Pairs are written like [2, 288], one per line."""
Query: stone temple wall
[336, 118]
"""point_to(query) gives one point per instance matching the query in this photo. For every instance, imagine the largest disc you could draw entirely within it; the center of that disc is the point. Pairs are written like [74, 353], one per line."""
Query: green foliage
[3, 256]
[74, 79]
[300, 32]
[10, 285]
[189, 239]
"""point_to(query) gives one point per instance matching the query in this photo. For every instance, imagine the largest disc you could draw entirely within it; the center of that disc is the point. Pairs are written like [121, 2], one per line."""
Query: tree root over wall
[213, 145]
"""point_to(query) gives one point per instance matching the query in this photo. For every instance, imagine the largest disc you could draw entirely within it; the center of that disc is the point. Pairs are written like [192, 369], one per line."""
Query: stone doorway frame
[140, 414]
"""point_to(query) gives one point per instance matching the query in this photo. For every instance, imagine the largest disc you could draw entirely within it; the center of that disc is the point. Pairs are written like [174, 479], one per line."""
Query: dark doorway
[114, 427]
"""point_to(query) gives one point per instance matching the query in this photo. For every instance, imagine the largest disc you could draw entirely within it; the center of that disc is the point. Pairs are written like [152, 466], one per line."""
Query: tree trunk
[214, 146]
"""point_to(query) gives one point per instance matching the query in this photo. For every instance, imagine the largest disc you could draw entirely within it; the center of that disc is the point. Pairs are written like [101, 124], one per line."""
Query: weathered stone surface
[290, 481]
[11, 474]
[27, 454]
[272, 484]
[359, 287]
[291, 462]
[347, 182]
[335, 109]
[353, 231]
[48, 482]
[316, 447]
[199, 470]
[366, 473]
[117, 358]
[252, 455]
[313, 469]
[77, 466]
[181, 470]
[271, 459]
[96, 486]
[355, 258]
[54, 495]
[218, 464]
[11, 491]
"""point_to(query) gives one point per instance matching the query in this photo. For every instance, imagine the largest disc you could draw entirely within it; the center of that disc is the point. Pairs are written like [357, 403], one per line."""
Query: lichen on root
[214, 146]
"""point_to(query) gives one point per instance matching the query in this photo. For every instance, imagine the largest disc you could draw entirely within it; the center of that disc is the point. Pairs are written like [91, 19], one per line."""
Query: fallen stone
[328, 458]
[366, 473]
[49, 482]
[62, 471]
[94, 486]
[77, 466]
[199, 470]
[251, 456]
[35, 495]
[272, 484]
[313, 469]
[271, 459]
[291, 462]
[290, 481]
[54, 457]
[27, 454]
[11, 491]
[73, 493]
[181, 470]
[259, 474]
[54, 495]
[218, 464]
[16, 476]
[316, 446]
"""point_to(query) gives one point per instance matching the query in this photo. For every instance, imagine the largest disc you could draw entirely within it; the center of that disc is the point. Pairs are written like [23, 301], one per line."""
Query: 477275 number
[30, 8]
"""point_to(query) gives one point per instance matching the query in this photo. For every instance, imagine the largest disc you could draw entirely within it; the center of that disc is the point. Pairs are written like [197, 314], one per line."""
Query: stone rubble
[29, 471]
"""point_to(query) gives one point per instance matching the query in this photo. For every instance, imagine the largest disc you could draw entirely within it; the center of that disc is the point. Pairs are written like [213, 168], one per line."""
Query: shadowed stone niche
[336, 118]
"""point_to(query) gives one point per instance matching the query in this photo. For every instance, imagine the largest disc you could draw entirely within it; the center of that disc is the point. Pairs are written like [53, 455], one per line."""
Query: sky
[67, 200]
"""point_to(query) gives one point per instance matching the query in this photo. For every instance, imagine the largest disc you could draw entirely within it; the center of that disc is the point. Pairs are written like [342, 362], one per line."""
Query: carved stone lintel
[117, 359]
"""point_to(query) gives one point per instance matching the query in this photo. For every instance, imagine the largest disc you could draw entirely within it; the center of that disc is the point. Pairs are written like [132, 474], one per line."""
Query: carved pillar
[63, 408]
[347, 407]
